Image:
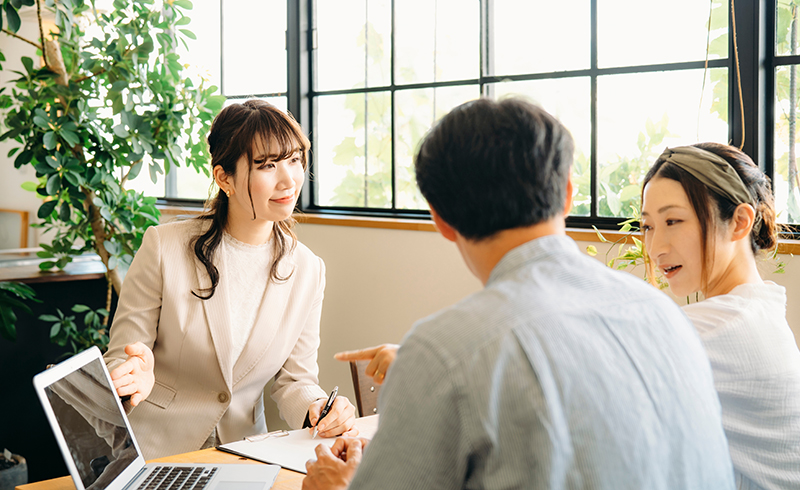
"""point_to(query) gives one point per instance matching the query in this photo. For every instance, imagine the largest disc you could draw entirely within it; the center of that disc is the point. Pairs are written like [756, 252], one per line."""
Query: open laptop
[98, 445]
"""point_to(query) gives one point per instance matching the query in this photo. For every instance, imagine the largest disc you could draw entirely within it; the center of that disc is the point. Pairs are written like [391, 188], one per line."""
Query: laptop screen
[89, 416]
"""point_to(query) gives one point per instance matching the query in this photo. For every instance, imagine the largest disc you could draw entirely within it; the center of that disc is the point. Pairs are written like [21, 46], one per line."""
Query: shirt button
[223, 398]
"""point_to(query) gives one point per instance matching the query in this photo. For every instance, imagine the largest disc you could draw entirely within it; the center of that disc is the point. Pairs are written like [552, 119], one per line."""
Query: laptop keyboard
[178, 478]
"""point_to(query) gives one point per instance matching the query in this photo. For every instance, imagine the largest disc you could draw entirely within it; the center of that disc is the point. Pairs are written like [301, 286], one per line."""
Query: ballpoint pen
[325, 409]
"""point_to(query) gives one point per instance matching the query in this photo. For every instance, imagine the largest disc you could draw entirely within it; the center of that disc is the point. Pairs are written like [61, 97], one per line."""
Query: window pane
[353, 43]
[632, 32]
[785, 182]
[524, 33]
[353, 150]
[415, 112]
[786, 23]
[641, 114]
[254, 47]
[203, 53]
[437, 40]
[568, 100]
[142, 182]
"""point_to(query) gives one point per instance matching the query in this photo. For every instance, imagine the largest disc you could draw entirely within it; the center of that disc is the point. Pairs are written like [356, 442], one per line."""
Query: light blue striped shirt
[559, 374]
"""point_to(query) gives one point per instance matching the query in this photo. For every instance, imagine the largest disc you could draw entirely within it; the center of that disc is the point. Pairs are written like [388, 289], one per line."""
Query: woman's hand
[135, 376]
[381, 358]
[340, 420]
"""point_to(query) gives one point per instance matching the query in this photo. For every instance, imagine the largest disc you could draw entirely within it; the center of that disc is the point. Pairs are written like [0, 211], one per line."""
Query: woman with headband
[707, 212]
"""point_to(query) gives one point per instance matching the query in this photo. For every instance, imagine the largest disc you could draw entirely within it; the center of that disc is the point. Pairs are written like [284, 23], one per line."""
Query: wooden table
[287, 479]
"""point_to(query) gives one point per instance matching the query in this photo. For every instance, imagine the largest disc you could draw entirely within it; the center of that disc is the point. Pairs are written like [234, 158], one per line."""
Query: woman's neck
[738, 268]
[249, 230]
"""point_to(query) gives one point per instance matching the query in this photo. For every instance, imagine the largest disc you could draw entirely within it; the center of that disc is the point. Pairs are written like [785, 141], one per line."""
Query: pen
[325, 409]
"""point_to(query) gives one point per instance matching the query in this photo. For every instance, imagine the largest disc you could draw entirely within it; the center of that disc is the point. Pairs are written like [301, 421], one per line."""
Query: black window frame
[755, 23]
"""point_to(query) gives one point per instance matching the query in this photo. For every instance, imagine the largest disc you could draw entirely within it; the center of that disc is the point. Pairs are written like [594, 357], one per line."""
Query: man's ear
[442, 227]
[568, 203]
[222, 179]
[743, 218]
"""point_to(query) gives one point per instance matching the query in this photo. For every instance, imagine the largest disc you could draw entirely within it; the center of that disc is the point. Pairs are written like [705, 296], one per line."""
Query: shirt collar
[532, 251]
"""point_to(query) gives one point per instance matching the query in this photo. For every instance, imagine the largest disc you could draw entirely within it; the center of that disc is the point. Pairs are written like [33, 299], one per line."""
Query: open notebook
[99, 447]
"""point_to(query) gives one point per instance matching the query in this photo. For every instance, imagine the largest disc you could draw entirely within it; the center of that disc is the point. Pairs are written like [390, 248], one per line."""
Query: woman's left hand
[340, 420]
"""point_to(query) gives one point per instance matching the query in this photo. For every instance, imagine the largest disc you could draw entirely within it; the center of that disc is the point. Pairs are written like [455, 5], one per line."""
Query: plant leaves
[13, 19]
[45, 210]
[50, 140]
[53, 184]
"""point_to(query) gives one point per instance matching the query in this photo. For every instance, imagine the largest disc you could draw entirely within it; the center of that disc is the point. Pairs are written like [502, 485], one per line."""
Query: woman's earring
[228, 193]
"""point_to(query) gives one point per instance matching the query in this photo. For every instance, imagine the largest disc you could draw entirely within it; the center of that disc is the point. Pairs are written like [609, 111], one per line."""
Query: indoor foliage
[107, 99]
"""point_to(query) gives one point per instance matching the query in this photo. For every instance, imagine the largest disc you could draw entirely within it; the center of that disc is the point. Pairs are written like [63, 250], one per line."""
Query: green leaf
[80, 308]
[27, 63]
[45, 210]
[23, 158]
[50, 140]
[135, 169]
[55, 329]
[119, 85]
[188, 33]
[13, 19]
[53, 184]
[120, 131]
[70, 137]
[64, 213]
[41, 122]
[591, 250]
[184, 4]
[49, 318]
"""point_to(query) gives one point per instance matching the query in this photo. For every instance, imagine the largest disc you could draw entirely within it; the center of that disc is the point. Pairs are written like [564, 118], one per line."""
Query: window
[367, 78]
[241, 49]
[385, 71]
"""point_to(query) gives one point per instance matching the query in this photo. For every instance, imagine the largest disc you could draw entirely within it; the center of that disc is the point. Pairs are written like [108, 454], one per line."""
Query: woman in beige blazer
[212, 308]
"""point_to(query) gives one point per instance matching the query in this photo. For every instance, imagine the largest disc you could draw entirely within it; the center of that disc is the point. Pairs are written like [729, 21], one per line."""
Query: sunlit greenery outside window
[385, 71]
[785, 181]
[367, 79]
[240, 47]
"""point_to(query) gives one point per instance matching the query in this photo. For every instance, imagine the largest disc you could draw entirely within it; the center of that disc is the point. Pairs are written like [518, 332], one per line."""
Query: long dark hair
[233, 133]
[712, 209]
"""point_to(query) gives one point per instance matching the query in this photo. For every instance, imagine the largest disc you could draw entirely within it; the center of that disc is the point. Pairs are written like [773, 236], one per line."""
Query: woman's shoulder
[748, 309]
[304, 257]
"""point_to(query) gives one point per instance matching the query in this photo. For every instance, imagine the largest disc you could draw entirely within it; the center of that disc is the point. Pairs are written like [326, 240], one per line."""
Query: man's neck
[482, 256]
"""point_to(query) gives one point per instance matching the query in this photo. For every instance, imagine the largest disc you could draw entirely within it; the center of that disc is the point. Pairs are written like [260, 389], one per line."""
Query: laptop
[99, 447]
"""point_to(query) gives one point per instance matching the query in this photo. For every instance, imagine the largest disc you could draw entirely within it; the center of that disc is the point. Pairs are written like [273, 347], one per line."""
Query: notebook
[99, 447]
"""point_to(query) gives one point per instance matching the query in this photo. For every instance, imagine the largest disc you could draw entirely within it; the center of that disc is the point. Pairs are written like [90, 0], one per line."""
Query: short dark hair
[489, 166]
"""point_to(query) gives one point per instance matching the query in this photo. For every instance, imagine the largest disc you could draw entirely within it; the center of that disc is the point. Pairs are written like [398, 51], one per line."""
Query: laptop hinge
[135, 478]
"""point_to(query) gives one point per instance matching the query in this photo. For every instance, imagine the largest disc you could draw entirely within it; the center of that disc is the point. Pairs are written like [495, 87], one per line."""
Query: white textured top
[756, 367]
[246, 275]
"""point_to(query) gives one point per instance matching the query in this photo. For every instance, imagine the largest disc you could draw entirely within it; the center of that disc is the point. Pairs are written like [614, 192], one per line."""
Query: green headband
[715, 173]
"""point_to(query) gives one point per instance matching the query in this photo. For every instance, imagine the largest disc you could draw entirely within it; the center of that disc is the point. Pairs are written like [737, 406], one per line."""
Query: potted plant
[13, 470]
[108, 100]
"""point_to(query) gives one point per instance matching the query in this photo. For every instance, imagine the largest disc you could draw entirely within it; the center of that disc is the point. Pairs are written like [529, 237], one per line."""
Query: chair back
[366, 389]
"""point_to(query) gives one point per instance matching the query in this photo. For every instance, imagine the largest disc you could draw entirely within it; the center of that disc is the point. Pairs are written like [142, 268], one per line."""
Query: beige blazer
[198, 385]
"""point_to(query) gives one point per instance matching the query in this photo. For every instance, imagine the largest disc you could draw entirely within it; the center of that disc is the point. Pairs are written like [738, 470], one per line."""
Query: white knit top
[245, 275]
[756, 366]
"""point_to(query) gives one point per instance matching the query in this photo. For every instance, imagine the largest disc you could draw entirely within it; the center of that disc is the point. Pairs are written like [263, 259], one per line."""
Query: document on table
[292, 451]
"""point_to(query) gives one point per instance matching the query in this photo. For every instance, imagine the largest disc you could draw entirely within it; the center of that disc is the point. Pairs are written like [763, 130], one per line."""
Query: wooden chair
[366, 389]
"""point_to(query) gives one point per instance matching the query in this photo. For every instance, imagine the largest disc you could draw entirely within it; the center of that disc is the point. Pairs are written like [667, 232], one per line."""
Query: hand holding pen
[325, 409]
[333, 416]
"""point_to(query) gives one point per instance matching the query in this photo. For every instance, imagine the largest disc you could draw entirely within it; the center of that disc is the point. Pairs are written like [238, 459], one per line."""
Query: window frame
[755, 33]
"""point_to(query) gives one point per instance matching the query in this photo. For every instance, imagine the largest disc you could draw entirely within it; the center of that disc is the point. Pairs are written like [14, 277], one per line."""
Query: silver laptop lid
[89, 423]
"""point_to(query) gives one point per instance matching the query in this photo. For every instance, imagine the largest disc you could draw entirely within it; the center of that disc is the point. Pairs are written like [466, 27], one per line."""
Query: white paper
[293, 451]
